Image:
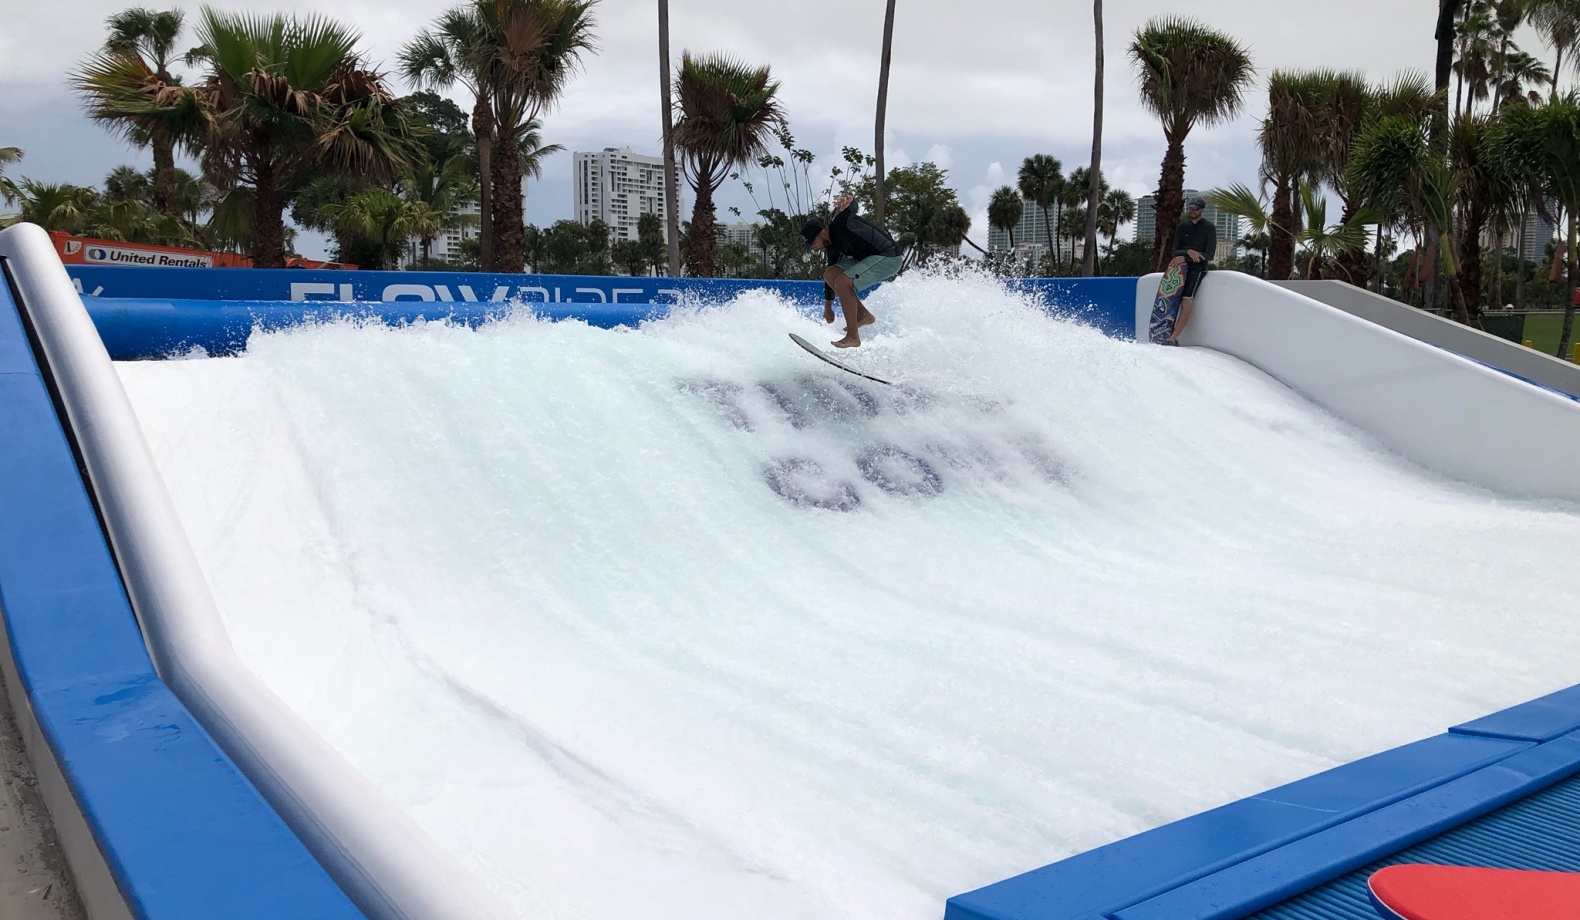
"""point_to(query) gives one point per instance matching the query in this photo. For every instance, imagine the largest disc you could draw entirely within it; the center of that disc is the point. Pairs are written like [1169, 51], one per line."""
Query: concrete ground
[35, 883]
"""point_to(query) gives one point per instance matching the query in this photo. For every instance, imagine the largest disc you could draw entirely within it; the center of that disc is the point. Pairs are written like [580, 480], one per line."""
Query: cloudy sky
[975, 88]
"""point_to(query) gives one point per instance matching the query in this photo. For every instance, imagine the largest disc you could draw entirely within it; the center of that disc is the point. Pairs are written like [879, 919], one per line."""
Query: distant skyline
[974, 94]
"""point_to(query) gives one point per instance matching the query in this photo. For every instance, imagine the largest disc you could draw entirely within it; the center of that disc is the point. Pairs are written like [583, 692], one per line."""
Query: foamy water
[680, 622]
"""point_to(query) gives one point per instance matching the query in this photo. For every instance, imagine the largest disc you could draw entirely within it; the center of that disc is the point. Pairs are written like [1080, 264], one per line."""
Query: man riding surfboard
[860, 255]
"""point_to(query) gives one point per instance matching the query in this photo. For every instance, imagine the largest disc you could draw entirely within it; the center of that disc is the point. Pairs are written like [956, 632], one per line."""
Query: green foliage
[918, 209]
[571, 248]
[727, 110]
[440, 127]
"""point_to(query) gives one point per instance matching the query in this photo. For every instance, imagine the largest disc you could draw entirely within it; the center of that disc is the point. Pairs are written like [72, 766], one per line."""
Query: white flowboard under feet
[849, 370]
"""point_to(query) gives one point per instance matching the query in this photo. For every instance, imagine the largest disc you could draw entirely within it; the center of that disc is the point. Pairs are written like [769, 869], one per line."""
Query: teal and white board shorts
[870, 271]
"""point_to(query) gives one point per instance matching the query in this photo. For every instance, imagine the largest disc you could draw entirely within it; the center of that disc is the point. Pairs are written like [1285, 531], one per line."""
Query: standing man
[860, 255]
[1195, 241]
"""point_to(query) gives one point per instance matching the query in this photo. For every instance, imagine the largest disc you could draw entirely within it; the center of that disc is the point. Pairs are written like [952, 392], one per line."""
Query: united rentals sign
[76, 250]
[155, 258]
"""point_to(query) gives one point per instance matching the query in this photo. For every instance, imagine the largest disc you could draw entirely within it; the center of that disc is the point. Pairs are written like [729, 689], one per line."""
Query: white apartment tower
[617, 187]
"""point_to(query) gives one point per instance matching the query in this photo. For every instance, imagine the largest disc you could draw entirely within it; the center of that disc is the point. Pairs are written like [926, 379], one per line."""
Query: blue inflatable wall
[144, 313]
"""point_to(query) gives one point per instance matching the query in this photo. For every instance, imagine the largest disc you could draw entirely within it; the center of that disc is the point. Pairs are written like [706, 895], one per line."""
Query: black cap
[809, 232]
[1196, 203]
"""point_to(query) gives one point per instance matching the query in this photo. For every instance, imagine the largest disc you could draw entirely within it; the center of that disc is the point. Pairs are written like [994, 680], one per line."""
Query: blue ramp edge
[1541, 719]
[1539, 832]
[1234, 860]
[182, 831]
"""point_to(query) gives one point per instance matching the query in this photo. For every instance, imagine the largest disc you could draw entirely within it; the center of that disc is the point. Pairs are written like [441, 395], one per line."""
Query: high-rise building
[1031, 235]
[447, 245]
[741, 233]
[617, 187]
[1532, 245]
[1229, 225]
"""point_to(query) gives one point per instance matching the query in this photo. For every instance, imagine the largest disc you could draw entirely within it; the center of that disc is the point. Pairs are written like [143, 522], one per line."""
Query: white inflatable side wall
[1448, 413]
[388, 865]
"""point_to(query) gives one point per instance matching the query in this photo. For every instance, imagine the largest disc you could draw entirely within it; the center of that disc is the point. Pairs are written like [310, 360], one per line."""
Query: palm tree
[1289, 137]
[883, 107]
[149, 38]
[1117, 209]
[283, 100]
[9, 193]
[1095, 171]
[671, 184]
[1484, 185]
[54, 206]
[454, 51]
[1558, 22]
[1519, 72]
[1507, 17]
[1397, 168]
[1540, 149]
[728, 112]
[1004, 212]
[1190, 75]
[442, 189]
[1041, 182]
[1325, 245]
[532, 48]
[1474, 64]
[384, 220]
[1073, 203]
[949, 228]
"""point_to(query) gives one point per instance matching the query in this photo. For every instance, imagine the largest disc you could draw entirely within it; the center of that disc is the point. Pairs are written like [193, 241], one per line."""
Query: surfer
[860, 255]
[1195, 241]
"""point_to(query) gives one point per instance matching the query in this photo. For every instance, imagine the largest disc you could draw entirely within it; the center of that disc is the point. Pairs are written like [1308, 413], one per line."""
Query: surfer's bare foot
[828, 313]
[851, 340]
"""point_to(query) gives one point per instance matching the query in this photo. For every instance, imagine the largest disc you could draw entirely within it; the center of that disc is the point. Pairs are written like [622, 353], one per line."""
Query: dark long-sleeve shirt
[851, 237]
[1199, 235]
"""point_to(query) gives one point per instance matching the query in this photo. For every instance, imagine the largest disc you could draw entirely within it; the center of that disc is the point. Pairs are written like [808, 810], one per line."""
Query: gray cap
[1197, 202]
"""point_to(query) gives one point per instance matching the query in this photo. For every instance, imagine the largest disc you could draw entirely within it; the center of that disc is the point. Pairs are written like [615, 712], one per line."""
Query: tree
[386, 221]
[532, 47]
[949, 227]
[1324, 244]
[1397, 168]
[1558, 22]
[1041, 182]
[442, 188]
[1116, 210]
[1095, 171]
[1004, 211]
[1540, 147]
[918, 197]
[1073, 203]
[728, 110]
[440, 127]
[455, 50]
[9, 193]
[54, 206]
[145, 42]
[883, 106]
[282, 100]
[671, 183]
[572, 248]
[1190, 75]
[628, 254]
[650, 237]
[1483, 188]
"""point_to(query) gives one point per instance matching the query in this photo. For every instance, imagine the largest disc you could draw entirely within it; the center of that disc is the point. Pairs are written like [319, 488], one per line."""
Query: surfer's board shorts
[870, 271]
[1194, 273]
